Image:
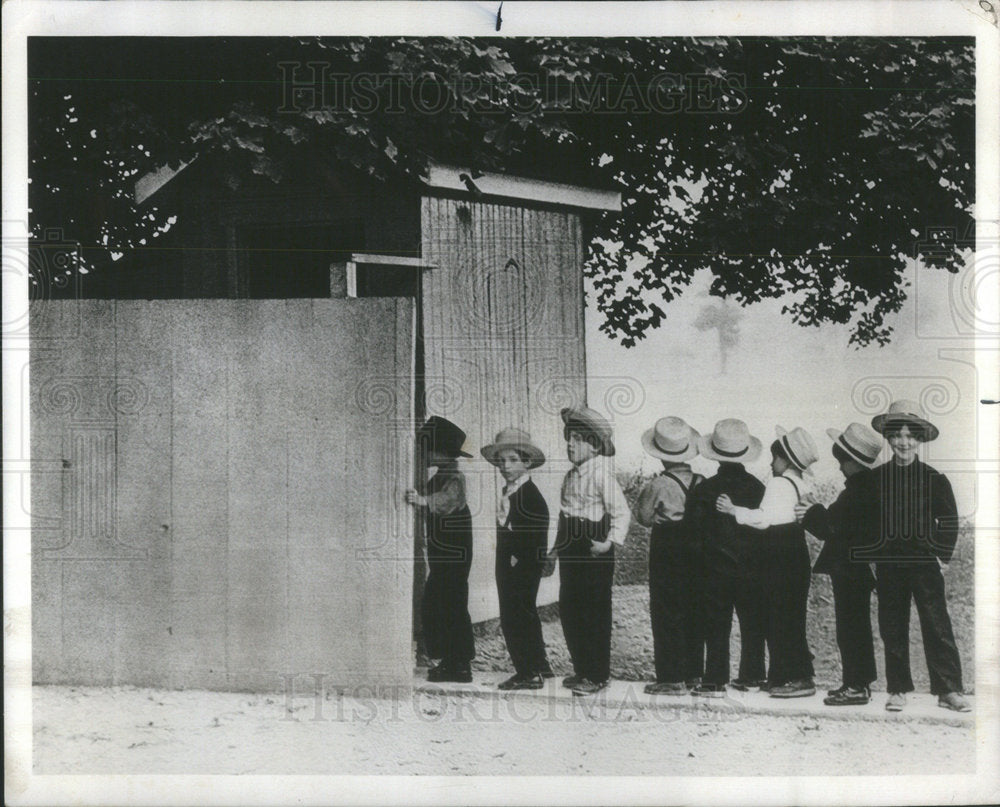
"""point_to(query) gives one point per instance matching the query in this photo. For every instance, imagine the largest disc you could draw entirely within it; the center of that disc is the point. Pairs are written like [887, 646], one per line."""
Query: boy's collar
[588, 460]
[510, 487]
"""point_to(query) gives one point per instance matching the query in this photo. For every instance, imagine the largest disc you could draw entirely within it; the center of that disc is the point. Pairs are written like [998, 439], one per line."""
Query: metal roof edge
[441, 176]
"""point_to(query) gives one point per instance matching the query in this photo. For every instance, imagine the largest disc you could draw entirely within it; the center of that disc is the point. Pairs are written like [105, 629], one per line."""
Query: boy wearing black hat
[447, 627]
[593, 517]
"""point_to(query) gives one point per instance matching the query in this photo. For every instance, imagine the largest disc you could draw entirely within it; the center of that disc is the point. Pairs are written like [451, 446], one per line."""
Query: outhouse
[222, 424]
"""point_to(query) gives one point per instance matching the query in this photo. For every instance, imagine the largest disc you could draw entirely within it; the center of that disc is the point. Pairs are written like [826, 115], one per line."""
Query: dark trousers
[444, 610]
[852, 597]
[923, 583]
[674, 612]
[787, 574]
[722, 594]
[585, 596]
[517, 586]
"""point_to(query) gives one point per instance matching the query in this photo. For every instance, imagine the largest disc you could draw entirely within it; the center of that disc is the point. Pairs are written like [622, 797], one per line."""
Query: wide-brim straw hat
[593, 422]
[515, 440]
[443, 436]
[859, 443]
[901, 413]
[798, 445]
[671, 439]
[730, 441]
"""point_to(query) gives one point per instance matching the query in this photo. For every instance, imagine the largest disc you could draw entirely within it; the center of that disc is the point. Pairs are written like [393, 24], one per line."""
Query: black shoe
[571, 681]
[693, 682]
[838, 691]
[709, 691]
[587, 687]
[461, 675]
[746, 686]
[522, 682]
[849, 697]
[666, 688]
[510, 682]
[794, 689]
[442, 673]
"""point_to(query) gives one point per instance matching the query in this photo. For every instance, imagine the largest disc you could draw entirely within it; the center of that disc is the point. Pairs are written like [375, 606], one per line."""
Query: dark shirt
[851, 521]
[729, 548]
[918, 517]
[525, 536]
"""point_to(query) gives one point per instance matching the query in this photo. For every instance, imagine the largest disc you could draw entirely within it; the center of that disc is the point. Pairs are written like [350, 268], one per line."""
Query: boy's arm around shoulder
[817, 522]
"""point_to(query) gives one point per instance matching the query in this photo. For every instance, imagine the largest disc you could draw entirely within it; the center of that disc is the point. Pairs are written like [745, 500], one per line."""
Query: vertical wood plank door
[216, 497]
[503, 312]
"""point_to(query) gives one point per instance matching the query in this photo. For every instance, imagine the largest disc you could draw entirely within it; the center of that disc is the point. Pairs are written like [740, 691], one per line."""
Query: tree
[809, 169]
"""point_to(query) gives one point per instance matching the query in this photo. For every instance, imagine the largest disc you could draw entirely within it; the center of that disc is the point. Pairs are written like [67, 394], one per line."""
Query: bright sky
[780, 373]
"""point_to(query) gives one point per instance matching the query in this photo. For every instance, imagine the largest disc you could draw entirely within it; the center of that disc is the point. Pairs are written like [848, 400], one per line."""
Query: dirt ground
[130, 730]
[632, 641]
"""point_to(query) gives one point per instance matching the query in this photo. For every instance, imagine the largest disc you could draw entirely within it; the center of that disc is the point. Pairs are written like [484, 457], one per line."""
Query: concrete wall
[503, 346]
[215, 492]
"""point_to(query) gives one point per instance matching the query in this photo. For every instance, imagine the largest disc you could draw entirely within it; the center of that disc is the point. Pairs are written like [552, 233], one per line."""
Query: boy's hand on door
[414, 498]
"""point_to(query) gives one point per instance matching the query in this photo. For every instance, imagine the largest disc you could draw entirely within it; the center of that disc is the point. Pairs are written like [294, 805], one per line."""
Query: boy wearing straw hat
[729, 556]
[447, 627]
[844, 524]
[522, 540]
[593, 517]
[674, 565]
[785, 563]
[918, 532]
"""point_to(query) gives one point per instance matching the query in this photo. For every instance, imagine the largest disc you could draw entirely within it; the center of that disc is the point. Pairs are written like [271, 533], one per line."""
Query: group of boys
[717, 545]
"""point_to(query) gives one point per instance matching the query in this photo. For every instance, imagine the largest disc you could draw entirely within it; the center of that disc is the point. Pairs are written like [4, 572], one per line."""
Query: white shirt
[590, 490]
[503, 502]
[778, 505]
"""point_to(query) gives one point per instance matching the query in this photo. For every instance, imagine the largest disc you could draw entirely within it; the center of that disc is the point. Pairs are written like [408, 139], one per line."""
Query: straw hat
[671, 439]
[901, 413]
[443, 436]
[799, 446]
[859, 443]
[516, 440]
[730, 441]
[593, 422]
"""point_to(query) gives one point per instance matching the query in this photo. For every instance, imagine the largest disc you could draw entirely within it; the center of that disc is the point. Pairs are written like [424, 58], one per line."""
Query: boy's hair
[842, 456]
[892, 428]
[523, 455]
[778, 451]
[585, 434]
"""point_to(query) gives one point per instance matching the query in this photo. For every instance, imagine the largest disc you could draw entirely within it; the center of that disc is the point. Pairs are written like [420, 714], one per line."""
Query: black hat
[443, 436]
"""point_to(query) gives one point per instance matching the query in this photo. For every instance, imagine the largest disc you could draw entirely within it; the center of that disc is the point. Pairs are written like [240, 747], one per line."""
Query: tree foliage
[809, 169]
